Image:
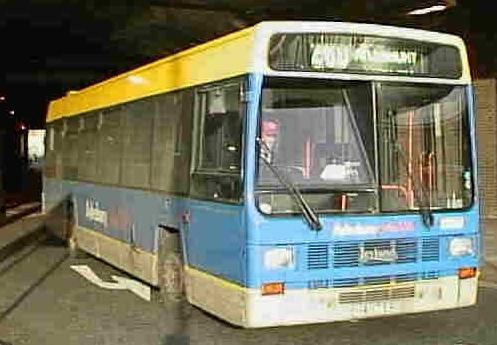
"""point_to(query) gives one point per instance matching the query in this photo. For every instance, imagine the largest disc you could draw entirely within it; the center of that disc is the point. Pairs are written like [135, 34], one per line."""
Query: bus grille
[317, 256]
[375, 280]
[431, 249]
[362, 253]
[371, 295]
[372, 280]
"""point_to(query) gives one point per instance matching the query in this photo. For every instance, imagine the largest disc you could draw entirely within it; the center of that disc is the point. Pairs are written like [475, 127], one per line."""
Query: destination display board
[348, 53]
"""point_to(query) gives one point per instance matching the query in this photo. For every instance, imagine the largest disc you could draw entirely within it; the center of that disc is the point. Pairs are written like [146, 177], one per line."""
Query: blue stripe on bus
[292, 228]
[215, 238]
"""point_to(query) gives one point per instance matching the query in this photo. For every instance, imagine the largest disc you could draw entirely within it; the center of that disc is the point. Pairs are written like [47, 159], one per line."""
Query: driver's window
[220, 128]
[219, 133]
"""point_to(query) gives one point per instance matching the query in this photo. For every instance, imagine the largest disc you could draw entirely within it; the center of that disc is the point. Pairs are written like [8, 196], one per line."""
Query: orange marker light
[273, 288]
[467, 272]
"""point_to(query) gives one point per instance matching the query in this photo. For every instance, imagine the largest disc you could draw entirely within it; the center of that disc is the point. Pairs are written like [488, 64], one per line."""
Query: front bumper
[326, 305]
[249, 308]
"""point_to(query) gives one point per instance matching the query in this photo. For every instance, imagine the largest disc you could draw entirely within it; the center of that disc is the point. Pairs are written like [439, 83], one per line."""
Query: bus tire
[170, 268]
[171, 279]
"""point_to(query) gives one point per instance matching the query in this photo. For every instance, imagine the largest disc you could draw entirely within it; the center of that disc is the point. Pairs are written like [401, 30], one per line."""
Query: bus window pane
[217, 176]
[221, 129]
[49, 166]
[70, 149]
[137, 143]
[58, 145]
[320, 135]
[110, 146]
[425, 158]
[165, 133]
[183, 149]
[216, 187]
[87, 155]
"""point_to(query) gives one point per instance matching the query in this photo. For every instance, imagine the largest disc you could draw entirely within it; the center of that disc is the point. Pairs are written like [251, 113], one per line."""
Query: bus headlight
[460, 246]
[278, 258]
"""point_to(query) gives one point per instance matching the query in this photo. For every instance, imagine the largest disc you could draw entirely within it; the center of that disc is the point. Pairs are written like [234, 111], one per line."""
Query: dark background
[51, 46]
[48, 47]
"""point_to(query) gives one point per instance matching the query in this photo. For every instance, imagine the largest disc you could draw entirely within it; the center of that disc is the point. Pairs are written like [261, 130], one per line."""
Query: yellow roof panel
[221, 58]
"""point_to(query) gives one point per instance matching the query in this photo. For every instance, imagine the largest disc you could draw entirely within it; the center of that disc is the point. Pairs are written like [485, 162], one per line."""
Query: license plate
[375, 307]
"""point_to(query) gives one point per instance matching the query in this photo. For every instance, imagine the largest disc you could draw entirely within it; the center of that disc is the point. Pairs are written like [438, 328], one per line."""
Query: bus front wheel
[170, 267]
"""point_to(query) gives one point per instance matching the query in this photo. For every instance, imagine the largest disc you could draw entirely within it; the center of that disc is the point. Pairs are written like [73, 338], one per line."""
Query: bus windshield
[322, 135]
[424, 147]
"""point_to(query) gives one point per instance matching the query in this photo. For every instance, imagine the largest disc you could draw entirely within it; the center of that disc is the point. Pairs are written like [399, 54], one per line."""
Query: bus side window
[109, 150]
[137, 143]
[87, 147]
[70, 148]
[217, 172]
[49, 167]
[166, 146]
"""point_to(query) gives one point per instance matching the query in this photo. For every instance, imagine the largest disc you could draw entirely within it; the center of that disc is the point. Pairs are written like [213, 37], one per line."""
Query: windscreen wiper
[307, 211]
[424, 201]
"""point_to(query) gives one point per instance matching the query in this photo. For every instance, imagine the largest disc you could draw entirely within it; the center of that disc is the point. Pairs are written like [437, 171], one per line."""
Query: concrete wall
[486, 127]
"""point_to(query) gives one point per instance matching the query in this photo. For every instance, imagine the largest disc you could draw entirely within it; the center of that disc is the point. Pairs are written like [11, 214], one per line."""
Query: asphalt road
[43, 301]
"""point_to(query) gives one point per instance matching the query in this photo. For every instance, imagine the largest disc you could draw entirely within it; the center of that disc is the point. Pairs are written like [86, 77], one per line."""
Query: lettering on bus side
[119, 217]
[94, 213]
[349, 229]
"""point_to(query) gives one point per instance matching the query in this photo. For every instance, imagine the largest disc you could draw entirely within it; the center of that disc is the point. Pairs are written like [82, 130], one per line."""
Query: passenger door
[215, 239]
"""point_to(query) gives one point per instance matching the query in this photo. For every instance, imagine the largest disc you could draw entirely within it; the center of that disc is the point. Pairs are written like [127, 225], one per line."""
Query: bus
[291, 172]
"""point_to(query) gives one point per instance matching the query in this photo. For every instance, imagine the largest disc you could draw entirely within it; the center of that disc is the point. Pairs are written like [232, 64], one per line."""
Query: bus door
[214, 235]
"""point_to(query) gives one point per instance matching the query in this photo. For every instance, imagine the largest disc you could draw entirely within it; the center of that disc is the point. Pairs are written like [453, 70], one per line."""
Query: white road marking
[88, 273]
[121, 283]
[141, 290]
